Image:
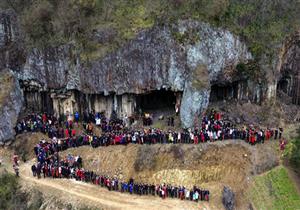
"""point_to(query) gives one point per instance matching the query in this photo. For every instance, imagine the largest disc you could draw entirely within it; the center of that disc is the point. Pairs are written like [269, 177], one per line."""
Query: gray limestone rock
[11, 105]
[12, 55]
[156, 59]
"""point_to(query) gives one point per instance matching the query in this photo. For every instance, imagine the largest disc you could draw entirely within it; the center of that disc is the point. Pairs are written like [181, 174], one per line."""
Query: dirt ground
[211, 165]
[24, 143]
[231, 163]
[83, 195]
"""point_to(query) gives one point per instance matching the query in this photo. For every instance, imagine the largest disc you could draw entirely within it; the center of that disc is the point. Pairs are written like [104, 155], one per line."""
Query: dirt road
[71, 191]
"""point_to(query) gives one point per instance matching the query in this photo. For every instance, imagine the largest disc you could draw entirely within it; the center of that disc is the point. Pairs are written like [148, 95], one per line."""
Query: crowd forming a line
[62, 133]
[49, 164]
[212, 128]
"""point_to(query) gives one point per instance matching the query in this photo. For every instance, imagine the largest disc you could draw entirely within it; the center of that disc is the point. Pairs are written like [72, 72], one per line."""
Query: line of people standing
[213, 128]
[49, 164]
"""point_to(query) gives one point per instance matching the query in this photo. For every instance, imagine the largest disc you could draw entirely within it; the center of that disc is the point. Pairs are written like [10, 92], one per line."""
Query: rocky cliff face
[11, 99]
[11, 52]
[155, 59]
[289, 68]
[162, 57]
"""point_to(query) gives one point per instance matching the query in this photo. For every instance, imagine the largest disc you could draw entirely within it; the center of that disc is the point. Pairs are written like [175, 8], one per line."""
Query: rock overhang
[155, 59]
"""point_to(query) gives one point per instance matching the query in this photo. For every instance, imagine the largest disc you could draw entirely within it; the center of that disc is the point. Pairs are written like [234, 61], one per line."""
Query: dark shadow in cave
[224, 92]
[156, 100]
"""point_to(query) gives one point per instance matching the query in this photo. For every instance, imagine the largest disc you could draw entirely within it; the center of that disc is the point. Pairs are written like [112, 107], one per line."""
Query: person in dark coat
[33, 169]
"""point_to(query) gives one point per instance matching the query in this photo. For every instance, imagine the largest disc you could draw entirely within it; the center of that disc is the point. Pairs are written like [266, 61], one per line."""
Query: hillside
[274, 190]
[263, 23]
[244, 168]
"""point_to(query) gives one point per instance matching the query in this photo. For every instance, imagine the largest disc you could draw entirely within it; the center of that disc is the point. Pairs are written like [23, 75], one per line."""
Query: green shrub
[249, 70]
[8, 188]
[292, 152]
[274, 190]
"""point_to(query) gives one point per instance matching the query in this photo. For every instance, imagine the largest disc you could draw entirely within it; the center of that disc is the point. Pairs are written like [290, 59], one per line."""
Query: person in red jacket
[202, 137]
[252, 138]
[73, 132]
[268, 134]
[15, 159]
[82, 176]
[78, 174]
[164, 192]
[66, 133]
[196, 140]
[44, 118]
[53, 172]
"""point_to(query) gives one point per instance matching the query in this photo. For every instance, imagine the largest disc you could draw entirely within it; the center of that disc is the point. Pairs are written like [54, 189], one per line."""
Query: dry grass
[24, 144]
[207, 165]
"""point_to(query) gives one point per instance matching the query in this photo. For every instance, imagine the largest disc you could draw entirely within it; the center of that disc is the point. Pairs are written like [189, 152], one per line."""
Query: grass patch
[292, 152]
[160, 124]
[8, 191]
[274, 190]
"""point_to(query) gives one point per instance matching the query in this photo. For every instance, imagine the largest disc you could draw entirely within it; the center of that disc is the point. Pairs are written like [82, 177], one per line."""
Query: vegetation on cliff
[292, 152]
[274, 190]
[10, 198]
[262, 23]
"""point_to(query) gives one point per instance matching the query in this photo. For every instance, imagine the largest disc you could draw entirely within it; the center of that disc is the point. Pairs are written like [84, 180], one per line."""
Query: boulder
[228, 198]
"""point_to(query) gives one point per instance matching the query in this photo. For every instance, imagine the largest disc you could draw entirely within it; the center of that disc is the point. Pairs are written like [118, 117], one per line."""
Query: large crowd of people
[212, 128]
[49, 164]
[63, 135]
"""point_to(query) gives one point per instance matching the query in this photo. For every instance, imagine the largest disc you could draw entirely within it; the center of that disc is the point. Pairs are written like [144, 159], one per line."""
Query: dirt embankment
[24, 144]
[211, 165]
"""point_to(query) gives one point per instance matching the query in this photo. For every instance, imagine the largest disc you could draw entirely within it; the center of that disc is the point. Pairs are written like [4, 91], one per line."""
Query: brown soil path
[93, 196]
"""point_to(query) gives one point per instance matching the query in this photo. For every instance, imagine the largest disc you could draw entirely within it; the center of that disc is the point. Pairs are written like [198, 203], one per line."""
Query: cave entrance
[224, 92]
[38, 101]
[285, 85]
[290, 85]
[158, 100]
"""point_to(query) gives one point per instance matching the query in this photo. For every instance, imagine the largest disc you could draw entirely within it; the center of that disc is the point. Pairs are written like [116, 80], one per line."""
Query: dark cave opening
[156, 100]
[284, 85]
[38, 101]
[224, 92]
[290, 86]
